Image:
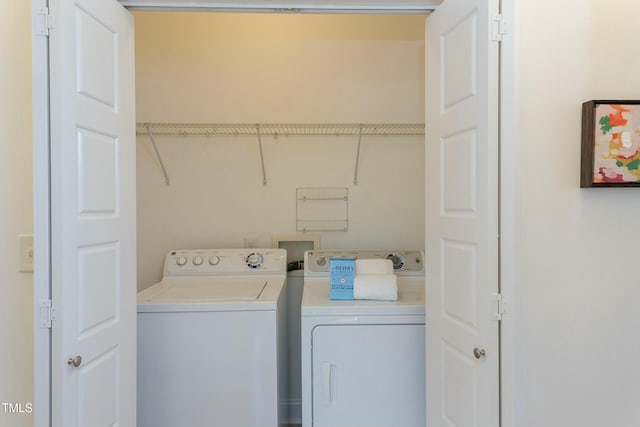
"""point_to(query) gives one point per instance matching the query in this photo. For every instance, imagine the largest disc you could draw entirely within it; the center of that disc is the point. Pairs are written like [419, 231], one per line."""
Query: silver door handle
[326, 381]
[479, 352]
[74, 361]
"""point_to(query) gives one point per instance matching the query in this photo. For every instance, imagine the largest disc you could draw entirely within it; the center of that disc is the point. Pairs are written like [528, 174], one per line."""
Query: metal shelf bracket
[264, 173]
[155, 148]
[355, 174]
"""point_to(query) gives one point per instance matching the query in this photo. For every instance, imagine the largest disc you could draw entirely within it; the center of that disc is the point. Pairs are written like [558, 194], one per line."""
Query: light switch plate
[26, 252]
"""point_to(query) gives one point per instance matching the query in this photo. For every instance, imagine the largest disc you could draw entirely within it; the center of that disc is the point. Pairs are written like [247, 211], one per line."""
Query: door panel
[368, 376]
[98, 394]
[93, 214]
[458, 52]
[97, 62]
[462, 215]
[97, 173]
[97, 297]
[459, 287]
[459, 173]
[461, 388]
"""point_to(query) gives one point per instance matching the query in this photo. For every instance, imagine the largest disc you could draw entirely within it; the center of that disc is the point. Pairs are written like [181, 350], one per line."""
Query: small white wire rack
[322, 209]
[276, 130]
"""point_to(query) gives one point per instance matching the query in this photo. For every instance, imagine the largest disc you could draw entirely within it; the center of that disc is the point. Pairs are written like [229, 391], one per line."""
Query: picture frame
[610, 154]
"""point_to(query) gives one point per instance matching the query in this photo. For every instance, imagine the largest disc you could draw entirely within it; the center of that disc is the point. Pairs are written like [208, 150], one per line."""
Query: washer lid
[207, 294]
[203, 291]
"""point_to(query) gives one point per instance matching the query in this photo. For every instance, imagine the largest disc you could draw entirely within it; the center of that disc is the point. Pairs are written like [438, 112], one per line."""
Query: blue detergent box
[341, 274]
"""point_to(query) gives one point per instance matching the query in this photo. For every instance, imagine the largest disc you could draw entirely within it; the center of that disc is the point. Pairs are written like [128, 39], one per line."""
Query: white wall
[276, 68]
[16, 202]
[578, 291]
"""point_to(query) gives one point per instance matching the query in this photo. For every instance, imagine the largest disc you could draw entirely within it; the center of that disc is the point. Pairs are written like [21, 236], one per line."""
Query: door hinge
[499, 307]
[46, 314]
[500, 27]
[44, 21]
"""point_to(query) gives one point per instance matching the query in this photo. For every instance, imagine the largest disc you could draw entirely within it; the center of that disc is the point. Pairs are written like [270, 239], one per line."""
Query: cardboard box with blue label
[341, 274]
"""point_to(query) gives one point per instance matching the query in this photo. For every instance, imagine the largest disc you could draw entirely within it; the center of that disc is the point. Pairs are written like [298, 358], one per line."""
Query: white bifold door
[462, 333]
[93, 216]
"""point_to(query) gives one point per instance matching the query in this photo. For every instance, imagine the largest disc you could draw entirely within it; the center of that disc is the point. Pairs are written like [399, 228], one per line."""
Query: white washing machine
[363, 362]
[211, 340]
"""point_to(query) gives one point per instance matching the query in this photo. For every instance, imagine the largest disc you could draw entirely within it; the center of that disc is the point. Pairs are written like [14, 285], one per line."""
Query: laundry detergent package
[341, 274]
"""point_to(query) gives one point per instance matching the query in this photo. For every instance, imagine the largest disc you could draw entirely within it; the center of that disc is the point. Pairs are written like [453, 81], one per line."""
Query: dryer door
[368, 376]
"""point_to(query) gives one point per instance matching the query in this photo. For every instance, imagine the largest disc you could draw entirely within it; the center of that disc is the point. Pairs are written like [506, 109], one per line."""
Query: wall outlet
[250, 242]
[26, 252]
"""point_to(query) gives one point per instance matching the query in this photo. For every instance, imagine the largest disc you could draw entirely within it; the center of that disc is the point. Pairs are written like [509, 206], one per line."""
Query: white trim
[285, 7]
[41, 218]
[285, 11]
[509, 188]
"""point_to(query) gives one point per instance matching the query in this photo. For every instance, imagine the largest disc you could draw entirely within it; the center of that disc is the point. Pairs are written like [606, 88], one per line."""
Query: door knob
[479, 352]
[74, 361]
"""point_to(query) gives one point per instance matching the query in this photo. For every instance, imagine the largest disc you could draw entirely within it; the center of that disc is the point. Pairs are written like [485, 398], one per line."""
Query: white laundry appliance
[211, 340]
[363, 361]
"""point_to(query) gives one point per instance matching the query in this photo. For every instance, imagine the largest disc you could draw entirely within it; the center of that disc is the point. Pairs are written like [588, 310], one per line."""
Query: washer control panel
[206, 262]
[405, 262]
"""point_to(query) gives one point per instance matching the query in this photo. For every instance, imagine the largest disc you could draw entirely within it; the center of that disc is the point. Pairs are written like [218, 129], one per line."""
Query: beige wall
[282, 69]
[16, 202]
[578, 290]
[576, 309]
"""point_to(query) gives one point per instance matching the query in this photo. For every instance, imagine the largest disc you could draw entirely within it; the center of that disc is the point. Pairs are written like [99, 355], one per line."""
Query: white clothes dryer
[363, 362]
[211, 340]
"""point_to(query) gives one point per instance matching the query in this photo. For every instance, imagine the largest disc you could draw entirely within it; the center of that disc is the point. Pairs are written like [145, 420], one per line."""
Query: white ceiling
[305, 6]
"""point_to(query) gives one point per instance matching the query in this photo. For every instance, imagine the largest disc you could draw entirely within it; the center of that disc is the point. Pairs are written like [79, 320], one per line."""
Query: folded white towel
[375, 286]
[374, 266]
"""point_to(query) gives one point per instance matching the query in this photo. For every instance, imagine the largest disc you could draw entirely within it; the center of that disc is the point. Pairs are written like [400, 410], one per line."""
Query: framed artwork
[610, 144]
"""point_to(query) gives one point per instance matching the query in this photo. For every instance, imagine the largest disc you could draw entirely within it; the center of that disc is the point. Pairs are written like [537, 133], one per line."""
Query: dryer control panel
[212, 262]
[405, 262]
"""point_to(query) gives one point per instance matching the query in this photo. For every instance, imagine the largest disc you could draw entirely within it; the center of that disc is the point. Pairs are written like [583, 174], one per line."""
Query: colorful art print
[610, 144]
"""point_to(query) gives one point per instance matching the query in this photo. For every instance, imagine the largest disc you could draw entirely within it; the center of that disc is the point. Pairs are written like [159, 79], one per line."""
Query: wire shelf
[275, 129]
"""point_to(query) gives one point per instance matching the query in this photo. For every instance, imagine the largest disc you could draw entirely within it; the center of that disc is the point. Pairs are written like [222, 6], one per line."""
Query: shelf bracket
[155, 148]
[355, 174]
[264, 173]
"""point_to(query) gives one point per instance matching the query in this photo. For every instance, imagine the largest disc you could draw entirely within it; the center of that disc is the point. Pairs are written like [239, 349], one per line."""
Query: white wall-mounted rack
[276, 130]
[322, 209]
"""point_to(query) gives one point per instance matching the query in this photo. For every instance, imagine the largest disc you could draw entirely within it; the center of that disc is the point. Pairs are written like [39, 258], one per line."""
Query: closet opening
[255, 70]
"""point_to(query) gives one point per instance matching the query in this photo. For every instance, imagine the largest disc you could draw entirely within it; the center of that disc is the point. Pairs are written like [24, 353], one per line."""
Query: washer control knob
[181, 260]
[214, 260]
[197, 260]
[397, 260]
[254, 260]
[321, 261]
